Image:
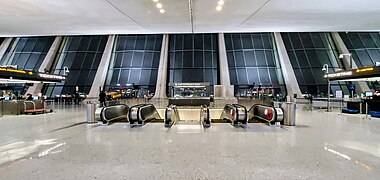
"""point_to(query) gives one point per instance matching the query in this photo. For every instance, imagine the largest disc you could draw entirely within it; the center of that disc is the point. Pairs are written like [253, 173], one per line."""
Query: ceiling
[74, 17]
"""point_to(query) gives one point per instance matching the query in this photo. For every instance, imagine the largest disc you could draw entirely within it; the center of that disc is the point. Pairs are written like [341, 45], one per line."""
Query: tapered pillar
[46, 64]
[290, 79]
[342, 49]
[101, 73]
[4, 46]
[225, 89]
[162, 69]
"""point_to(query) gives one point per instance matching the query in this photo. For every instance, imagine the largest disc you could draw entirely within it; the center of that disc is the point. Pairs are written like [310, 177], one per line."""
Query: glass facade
[308, 52]
[193, 58]
[27, 53]
[135, 61]
[365, 47]
[252, 60]
[82, 55]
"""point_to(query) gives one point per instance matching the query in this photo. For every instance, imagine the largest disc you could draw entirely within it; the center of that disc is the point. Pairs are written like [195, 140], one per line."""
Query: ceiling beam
[191, 15]
[254, 13]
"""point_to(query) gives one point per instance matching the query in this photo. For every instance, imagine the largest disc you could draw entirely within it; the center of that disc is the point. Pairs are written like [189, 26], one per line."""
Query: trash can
[90, 108]
[290, 113]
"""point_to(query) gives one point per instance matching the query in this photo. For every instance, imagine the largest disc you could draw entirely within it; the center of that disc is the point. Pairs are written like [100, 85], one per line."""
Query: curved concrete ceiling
[77, 17]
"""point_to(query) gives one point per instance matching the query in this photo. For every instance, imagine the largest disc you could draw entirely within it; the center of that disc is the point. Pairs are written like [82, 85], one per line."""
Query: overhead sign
[20, 74]
[339, 74]
[205, 84]
[367, 72]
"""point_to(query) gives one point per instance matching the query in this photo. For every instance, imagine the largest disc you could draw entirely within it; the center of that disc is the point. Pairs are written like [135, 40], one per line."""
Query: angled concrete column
[162, 69]
[46, 64]
[101, 73]
[4, 46]
[342, 49]
[9, 57]
[286, 67]
[225, 89]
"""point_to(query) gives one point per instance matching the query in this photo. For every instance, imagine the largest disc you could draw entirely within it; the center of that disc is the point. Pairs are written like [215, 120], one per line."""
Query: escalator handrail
[175, 111]
[155, 112]
[237, 106]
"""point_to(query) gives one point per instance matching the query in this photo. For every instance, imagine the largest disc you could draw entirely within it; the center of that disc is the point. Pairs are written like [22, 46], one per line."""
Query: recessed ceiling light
[155, 0]
[220, 3]
[162, 11]
[218, 8]
[159, 5]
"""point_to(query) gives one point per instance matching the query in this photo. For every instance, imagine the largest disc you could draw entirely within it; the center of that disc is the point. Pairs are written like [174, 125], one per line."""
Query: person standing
[76, 98]
[102, 98]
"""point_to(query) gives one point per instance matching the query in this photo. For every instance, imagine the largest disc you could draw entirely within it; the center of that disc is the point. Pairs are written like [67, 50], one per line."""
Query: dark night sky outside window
[252, 58]
[82, 55]
[135, 61]
[308, 52]
[193, 58]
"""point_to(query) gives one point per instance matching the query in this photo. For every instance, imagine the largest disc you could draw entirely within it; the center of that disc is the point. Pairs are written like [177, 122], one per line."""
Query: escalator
[234, 114]
[112, 113]
[142, 114]
[267, 114]
[171, 116]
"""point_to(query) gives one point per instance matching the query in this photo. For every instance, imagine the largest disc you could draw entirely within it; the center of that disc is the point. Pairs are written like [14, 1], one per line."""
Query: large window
[252, 59]
[365, 47]
[26, 53]
[82, 55]
[193, 58]
[308, 52]
[135, 61]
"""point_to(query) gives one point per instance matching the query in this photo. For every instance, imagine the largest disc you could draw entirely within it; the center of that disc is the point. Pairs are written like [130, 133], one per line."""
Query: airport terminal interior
[189, 89]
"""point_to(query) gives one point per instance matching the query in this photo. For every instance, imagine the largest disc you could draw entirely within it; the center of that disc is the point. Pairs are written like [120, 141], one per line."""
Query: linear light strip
[126, 15]
[254, 13]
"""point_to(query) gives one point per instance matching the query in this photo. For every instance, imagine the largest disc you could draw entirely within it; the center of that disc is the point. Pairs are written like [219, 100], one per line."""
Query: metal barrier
[235, 114]
[266, 113]
[171, 115]
[143, 113]
[113, 113]
[31, 107]
[205, 116]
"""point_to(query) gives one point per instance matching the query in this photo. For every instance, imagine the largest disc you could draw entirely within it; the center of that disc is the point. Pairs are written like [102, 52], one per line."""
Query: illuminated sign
[191, 84]
[364, 69]
[12, 73]
[14, 70]
[366, 72]
[339, 74]
[51, 76]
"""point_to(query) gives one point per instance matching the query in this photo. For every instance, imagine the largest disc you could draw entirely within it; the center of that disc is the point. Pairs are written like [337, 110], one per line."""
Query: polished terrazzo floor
[62, 146]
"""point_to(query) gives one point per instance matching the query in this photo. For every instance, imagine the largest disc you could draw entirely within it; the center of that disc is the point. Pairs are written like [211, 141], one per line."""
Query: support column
[162, 69]
[342, 49]
[8, 59]
[290, 79]
[101, 73]
[46, 64]
[4, 46]
[225, 89]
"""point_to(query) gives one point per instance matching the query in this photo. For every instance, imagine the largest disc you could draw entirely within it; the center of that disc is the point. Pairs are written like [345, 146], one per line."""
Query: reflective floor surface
[62, 146]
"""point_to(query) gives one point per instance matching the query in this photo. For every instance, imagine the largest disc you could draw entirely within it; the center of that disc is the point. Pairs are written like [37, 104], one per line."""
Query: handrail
[235, 114]
[205, 116]
[171, 115]
[139, 114]
[34, 105]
